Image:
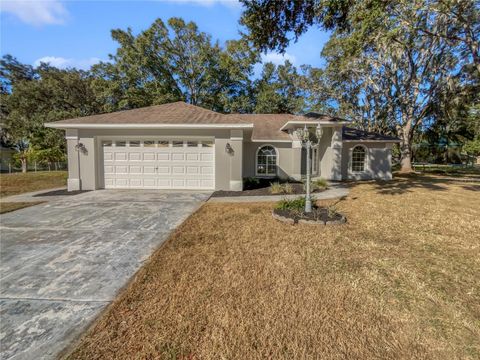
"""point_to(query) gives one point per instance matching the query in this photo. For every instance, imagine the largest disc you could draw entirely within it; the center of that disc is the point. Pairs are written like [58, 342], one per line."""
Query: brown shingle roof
[322, 117]
[265, 126]
[173, 113]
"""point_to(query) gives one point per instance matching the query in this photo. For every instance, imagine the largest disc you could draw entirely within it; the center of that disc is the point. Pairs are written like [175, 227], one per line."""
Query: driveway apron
[62, 262]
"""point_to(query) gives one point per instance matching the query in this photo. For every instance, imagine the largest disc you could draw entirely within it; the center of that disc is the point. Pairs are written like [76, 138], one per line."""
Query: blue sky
[77, 33]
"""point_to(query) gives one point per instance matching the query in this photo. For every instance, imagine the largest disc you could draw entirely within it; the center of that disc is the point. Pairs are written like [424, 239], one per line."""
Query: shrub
[319, 184]
[276, 188]
[251, 183]
[288, 188]
[297, 204]
[331, 211]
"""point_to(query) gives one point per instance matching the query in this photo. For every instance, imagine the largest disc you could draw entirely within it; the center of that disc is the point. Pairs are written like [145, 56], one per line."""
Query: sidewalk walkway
[334, 191]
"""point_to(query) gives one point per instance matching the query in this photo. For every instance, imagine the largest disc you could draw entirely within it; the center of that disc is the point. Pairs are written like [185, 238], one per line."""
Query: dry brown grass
[12, 206]
[18, 183]
[399, 281]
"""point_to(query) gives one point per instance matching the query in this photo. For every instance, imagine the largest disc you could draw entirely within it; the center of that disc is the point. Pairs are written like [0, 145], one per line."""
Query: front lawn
[399, 281]
[449, 170]
[6, 207]
[18, 183]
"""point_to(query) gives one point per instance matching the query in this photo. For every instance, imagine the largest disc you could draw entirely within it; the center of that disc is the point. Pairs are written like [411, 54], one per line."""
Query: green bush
[332, 211]
[472, 147]
[251, 183]
[318, 184]
[297, 204]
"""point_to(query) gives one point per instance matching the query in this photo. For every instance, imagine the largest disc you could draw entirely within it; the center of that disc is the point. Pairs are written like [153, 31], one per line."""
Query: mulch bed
[262, 191]
[318, 216]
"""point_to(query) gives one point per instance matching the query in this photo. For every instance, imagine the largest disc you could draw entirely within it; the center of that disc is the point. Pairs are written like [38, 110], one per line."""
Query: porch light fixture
[229, 149]
[80, 147]
[309, 140]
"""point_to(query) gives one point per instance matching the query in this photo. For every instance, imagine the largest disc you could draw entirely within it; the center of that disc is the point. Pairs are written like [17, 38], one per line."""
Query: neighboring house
[181, 146]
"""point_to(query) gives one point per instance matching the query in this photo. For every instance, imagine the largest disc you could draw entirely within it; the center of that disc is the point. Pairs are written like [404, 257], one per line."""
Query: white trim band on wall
[371, 141]
[270, 141]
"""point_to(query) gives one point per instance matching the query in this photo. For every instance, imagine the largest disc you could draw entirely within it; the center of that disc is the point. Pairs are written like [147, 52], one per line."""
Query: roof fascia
[290, 124]
[147, 126]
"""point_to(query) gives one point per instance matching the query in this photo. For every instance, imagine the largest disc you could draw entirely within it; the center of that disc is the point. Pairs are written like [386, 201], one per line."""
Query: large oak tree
[389, 61]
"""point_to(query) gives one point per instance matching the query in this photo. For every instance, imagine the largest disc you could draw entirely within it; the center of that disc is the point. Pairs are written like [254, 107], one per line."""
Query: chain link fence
[14, 167]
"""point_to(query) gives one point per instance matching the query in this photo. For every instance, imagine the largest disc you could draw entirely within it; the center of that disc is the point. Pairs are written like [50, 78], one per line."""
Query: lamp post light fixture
[309, 140]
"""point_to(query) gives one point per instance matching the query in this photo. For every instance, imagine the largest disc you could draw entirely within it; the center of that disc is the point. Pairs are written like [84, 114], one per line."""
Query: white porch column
[297, 160]
[73, 182]
[236, 160]
[337, 145]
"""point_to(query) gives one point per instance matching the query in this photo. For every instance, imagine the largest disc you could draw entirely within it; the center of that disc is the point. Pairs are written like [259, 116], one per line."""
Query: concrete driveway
[62, 262]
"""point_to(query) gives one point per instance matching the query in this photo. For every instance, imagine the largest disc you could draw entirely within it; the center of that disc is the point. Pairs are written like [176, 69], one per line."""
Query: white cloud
[278, 59]
[208, 3]
[63, 63]
[36, 12]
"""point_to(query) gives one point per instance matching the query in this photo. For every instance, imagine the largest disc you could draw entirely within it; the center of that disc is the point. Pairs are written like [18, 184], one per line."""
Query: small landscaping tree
[472, 148]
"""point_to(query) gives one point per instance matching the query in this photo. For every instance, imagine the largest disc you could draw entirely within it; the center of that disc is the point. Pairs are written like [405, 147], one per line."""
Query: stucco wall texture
[334, 156]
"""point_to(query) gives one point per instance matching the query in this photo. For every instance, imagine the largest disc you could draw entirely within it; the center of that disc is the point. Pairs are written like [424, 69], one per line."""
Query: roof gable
[267, 126]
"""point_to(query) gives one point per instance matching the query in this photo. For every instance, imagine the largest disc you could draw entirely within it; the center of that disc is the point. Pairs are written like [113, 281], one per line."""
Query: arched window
[266, 164]
[359, 157]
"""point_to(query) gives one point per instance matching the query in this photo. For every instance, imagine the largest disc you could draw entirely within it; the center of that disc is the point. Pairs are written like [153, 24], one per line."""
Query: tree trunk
[406, 153]
[24, 165]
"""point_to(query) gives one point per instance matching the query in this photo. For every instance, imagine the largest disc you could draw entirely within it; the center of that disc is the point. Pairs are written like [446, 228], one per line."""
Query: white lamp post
[309, 140]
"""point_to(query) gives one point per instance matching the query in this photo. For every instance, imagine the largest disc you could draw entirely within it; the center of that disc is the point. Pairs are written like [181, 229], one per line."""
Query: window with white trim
[359, 157]
[266, 161]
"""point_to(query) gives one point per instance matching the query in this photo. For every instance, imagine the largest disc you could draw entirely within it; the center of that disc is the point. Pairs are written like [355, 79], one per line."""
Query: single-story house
[182, 146]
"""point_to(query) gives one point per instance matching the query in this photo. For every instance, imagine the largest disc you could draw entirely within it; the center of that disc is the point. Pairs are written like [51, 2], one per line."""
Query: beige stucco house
[181, 146]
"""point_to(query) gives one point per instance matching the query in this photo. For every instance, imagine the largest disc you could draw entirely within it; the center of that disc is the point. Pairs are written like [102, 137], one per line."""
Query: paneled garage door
[159, 164]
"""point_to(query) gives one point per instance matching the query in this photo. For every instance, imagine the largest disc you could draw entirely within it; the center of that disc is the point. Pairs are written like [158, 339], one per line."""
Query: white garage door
[159, 164]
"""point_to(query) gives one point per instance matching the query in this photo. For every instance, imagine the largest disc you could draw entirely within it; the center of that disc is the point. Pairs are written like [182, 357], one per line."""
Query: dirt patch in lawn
[398, 281]
[18, 183]
[316, 216]
[6, 207]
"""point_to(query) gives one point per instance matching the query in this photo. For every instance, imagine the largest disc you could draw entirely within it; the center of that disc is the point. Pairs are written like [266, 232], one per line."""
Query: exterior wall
[85, 165]
[335, 158]
[331, 154]
[236, 160]
[288, 158]
[378, 164]
[325, 154]
[89, 175]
